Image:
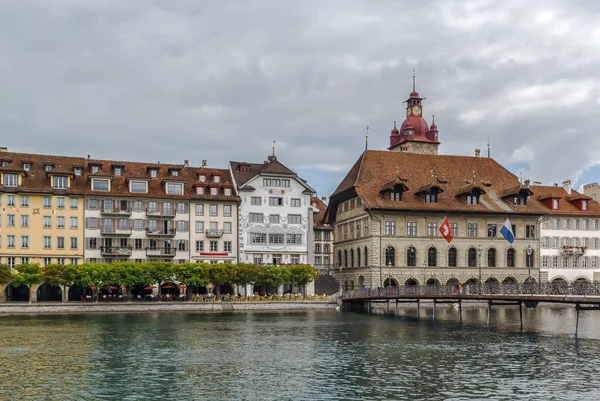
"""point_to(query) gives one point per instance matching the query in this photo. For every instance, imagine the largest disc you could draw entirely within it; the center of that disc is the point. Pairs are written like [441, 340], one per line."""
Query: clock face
[416, 111]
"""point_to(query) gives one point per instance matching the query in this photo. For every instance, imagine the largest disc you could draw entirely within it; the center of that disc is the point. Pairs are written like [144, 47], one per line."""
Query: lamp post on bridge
[389, 265]
[479, 263]
[529, 262]
[341, 287]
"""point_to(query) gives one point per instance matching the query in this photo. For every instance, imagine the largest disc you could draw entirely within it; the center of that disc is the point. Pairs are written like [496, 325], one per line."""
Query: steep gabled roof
[565, 206]
[266, 168]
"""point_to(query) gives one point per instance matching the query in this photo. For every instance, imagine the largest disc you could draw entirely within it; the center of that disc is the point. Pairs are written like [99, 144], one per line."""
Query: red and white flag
[446, 230]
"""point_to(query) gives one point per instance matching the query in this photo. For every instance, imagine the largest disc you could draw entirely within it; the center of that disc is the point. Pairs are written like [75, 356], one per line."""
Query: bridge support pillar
[460, 310]
[489, 315]
[521, 313]
[418, 308]
[577, 320]
[388, 306]
[369, 306]
[434, 305]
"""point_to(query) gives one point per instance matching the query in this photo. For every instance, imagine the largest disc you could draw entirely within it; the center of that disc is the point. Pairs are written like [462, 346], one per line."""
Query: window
[258, 238]
[60, 203]
[199, 246]
[432, 257]
[213, 210]
[431, 197]
[294, 257]
[390, 228]
[326, 248]
[564, 223]
[10, 220]
[227, 210]
[174, 188]
[295, 239]
[276, 182]
[530, 231]
[227, 228]
[60, 261]
[73, 222]
[93, 204]
[472, 230]
[73, 204]
[294, 219]
[411, 228]
[452, 257]
[584, 205]
[199, 226]
[200, 190]
[454, 229]
[554, 261]
[10, 241]
[214, 246]
[277, 259]
[181, 208]
[174, 173]
[199, 210]
[491, 256]
[295, 202]
[47, 203]
[472, 257]
[24, 220]
[60, 182]
[10, 200]
[47, 242]
[565, 262]
[24, 241]
[181, 226]
[60, 242]
[257, 260]
[275, 238]
[555, 204]
[227, 191]
[137, 243]
[432, 229]
[585, 224]
[100, 185]
[519, 201]
[266, 182]
[213, 191]
[138, 187]
[47, 261]
[10, 180]
[492, 230]
[92, 243]
[77, 171]
[227, 246]
[411, 256]
[181, 246]
[74, 242]
[255, 201]
[274, 201]
[26, 166]
[153, 173]
[274, 219]
[555, 242]
[555, 223]
[396, 196]
[510, 258]
[317, 248]
[47, 222]
[545, 242]
[138, 224]
[472, 199]
[256, 217]
[60, 222]
[24, 200]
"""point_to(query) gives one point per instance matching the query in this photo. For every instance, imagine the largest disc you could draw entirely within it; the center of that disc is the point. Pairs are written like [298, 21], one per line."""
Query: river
[311, 355]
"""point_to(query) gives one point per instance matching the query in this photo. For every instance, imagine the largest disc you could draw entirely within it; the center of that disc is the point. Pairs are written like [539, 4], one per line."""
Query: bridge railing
[578, 289]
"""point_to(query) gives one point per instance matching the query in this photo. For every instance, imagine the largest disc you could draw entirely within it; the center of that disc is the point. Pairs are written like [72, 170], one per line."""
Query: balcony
[115, 231]
[160, 252]
[161, 213]
[573, 250]
[214, 233]
[115, 211]
[115, 251]
[161, 233]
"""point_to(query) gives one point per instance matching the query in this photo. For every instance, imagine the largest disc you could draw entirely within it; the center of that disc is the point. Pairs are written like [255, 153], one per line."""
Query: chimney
[567, 186]
[537, 183]
[272, 158]
[88, 157]
[555, 184]
[527, 182]
[203, 163]
[186, 162]
[3, 149]
[477, 152]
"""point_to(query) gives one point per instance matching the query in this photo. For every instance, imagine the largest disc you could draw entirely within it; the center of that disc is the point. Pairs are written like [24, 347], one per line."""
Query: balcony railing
[115, 231]
[573, 250]
[115, 211]
[161, 213]
[160, 252]
[161, 233]
[115, 251]
[214, 233]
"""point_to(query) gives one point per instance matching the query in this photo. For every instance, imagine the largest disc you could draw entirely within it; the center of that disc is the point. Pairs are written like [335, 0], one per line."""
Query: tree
[274, 276]
[191, 274]
[93, 275]
[161, 272]
[246, 274]
[220, 274]
[5, 274]
[28, 274]
[60, 275]
[302, 275]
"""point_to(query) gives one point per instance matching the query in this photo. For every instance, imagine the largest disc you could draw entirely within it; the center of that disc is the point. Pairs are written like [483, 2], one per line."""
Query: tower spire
[367, 139]
[489, 146]
[414, 80]
[273, 148]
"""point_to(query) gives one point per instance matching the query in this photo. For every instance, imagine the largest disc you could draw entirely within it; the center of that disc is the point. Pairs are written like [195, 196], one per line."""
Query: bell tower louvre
[415, 135]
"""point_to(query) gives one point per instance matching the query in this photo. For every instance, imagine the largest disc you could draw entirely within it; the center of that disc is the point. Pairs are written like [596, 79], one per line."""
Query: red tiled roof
[565, 207]
[318, 217]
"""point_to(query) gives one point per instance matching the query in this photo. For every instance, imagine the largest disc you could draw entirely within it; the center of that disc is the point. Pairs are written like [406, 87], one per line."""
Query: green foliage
[247, 273]
[161, 272]
[195, 274]
[274, 276]
[302, 274]
[5, 273]
[27, 274]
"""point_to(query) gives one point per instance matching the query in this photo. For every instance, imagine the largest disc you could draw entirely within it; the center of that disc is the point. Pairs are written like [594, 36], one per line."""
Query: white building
[275, 215]
[570, 235]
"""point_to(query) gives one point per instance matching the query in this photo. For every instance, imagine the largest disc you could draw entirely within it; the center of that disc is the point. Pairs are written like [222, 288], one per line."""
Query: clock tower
[415, 135]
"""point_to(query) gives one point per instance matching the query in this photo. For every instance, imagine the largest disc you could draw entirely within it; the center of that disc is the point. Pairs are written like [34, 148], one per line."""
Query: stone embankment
[141, 307]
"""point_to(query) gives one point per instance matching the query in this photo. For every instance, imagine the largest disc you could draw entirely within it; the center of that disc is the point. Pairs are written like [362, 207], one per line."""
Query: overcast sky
[220, 80]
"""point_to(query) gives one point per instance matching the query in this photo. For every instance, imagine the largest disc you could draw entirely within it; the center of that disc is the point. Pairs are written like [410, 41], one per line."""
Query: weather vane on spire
[414, 80]
[273, 148]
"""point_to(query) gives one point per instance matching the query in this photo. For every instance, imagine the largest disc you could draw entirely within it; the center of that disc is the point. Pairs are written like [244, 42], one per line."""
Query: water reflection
[301, 355]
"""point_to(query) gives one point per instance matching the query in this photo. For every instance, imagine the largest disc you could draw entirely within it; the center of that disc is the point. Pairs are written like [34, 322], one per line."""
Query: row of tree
[129, 275]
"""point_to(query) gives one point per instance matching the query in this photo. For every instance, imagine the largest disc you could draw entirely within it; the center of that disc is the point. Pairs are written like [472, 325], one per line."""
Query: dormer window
[174, 172]
[77, 171]
[217, 178]
[200, 190]
[47, 167]
[100, 184]
[584, 205]
[153, 173]
[244, 169]
[140, 187]
[555, 204]
[118, 171]
[5, 163]
[11, 180]
[174, 188]
[396, 196]
[93, 169]
[213, 191]
[519, 200]
[202, 178]
[473, 199]
[431, 197]
[26, 166]
[60, 182]
[227, 191]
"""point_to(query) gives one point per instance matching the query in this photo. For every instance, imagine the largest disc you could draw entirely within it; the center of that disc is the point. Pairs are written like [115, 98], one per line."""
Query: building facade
[322, 238]
[592, 190]
[275, 215]
[570, 236]
[388, 209]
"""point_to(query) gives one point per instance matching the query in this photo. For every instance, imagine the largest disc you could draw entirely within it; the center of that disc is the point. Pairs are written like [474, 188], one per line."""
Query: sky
[155, 80]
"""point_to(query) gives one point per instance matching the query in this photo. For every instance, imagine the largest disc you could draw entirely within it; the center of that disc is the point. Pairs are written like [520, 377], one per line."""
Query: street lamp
[479, 263]
[341, 288]
[389, 265]
[371, 269]
[529, 261]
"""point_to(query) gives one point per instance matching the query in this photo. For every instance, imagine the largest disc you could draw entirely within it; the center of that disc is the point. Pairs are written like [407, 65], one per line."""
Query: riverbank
[141, 307]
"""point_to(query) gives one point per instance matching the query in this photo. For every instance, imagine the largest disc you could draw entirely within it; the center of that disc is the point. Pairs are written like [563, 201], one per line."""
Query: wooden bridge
[584, 296]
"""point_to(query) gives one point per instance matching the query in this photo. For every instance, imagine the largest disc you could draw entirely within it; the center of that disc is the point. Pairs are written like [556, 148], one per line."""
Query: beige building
[322, 238]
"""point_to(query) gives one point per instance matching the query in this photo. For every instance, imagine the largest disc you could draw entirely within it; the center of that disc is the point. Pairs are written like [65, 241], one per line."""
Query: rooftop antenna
[367, 139]
[414, 80]
[273, 148]
[521, 174]
[489, 146]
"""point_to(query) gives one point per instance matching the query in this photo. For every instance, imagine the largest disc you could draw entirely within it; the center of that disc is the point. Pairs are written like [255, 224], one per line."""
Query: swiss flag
[446, 230]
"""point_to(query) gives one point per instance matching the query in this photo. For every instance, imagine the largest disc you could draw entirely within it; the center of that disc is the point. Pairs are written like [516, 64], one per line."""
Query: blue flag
[506, 231]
